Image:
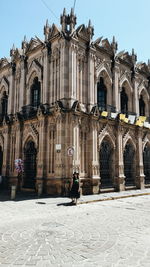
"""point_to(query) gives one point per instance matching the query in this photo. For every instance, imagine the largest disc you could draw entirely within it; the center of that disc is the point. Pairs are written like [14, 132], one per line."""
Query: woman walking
[75, 189]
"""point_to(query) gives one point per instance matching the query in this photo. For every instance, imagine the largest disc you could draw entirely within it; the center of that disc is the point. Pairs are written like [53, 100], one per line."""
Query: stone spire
[24, 44]
[68, 22]
[114, 45]
[12, 52]
[46, 30]
[72, 20]
[134, 56]
[90, 29]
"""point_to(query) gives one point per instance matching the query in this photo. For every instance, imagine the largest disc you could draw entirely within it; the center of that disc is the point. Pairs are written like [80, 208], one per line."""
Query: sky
[127, 20]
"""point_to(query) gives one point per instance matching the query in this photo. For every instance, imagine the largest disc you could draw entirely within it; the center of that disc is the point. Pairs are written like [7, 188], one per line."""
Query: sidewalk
[83, 199]
[113, 195]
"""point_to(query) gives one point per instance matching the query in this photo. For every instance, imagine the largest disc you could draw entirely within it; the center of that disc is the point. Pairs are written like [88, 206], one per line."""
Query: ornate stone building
[73, 104]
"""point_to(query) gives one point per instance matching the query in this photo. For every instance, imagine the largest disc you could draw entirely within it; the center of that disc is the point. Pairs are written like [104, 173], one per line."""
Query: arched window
[141, 106]
[4, 103]
[146, 163]
[129, 166]
[35, 92]
[101, 94]
[30, 153]
[1, 160]
[124, 101]
[106, 164]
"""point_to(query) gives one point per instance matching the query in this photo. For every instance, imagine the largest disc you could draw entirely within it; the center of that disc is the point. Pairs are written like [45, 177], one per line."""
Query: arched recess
[34, 81]
[35, 93]
[104, 90]
[146, 163]
[129, 159]
[1, 159]
[143, 103]
[3, 103]
[107, 163]
[30, 164]
[126, 101]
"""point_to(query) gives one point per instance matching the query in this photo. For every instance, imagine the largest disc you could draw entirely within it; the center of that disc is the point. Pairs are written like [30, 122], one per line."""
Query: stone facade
[73, 104]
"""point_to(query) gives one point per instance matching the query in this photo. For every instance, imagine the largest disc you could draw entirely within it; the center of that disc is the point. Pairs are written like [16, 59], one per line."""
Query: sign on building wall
[70, 151]
[58, 148]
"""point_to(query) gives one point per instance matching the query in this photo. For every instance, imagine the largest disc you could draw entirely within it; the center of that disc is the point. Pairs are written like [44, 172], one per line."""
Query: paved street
[48, 232]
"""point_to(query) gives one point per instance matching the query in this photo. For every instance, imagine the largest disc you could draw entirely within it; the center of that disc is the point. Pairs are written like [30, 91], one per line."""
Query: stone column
[72, 74]
[41, 166]
[94, 157]
[135, 95]
[22, 95]
[51, 89]
[92, 87]
[6, 151]
[60, 168]
[120, 178]
[11, 91]
[139, 162]
[63, 78]
[45, 77]
[116, 93]
[76, 144]
[18, 153]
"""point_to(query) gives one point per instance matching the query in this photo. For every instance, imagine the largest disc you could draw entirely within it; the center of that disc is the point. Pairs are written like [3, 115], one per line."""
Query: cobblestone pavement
[48, 232]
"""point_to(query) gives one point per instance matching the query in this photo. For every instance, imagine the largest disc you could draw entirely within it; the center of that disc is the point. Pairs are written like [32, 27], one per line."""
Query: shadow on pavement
[23, 195]
[66, 204]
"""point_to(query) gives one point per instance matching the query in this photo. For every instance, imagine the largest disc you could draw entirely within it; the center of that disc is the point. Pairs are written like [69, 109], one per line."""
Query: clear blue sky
[128, 20]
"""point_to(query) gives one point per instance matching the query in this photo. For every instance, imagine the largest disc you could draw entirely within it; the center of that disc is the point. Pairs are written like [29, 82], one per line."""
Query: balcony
[28, 112]
[108, 108]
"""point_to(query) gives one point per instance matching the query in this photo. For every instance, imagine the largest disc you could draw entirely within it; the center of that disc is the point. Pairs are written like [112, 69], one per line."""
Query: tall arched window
[106, 164]
[101, 94]
[141, 106]
[1, 160]
[129, 164]
[3, 104]
[30, 154]
[124, 101]
[35, 92]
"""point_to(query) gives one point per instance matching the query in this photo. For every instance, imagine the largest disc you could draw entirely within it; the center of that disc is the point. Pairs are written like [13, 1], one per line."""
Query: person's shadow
[67, 204]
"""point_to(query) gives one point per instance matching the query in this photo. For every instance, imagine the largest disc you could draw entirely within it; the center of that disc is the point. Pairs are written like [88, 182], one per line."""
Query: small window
[4, 104]
[35, 93]
[141, 106]
[124, 101]
[101, 95]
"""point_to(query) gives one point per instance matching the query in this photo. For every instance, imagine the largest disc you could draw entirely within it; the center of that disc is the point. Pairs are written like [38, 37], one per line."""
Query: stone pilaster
[22, 100]
[41, 165]
[120, 178]
[11, 90]
[45, 77]
[6, 152]
[76, 143]
[115, 85]
[94, 157]
[139, 162]
[92, 86]
[72, 74]
[135, 95]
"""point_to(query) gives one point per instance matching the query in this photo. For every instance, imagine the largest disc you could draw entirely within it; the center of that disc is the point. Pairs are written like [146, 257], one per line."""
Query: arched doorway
[30, 153]
[1, 160]
[146, 163]
[106, 164]
[129, 166]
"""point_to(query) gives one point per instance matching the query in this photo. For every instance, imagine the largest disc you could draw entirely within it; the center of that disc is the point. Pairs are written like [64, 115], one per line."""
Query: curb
[112, 198]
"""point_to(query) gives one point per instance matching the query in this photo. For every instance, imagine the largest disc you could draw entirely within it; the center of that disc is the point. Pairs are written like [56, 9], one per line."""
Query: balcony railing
[108, 108]
[28, 112]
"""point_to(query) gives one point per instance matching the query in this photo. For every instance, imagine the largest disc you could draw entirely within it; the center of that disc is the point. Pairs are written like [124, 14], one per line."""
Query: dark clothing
[74, 192]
